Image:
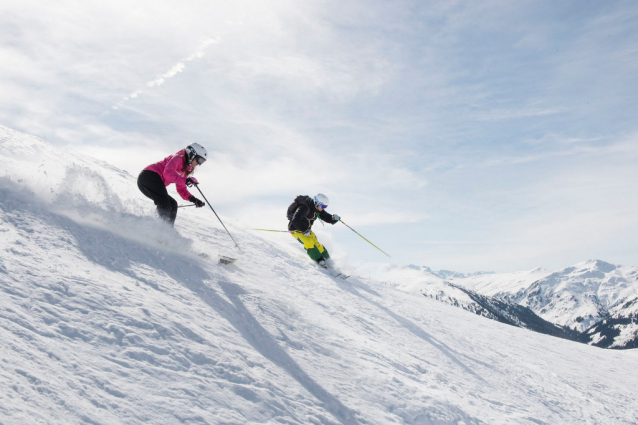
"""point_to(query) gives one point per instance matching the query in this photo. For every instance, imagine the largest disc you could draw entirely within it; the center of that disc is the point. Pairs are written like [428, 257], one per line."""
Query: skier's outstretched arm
[329, 218]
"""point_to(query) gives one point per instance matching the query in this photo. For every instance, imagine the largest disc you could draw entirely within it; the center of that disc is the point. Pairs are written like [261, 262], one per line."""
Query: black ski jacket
[302, 213]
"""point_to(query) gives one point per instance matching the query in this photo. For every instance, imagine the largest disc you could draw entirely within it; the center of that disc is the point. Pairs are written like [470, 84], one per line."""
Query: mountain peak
[600, 265]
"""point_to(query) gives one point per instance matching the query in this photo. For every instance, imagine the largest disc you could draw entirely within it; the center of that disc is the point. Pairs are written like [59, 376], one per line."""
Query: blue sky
[488, 135]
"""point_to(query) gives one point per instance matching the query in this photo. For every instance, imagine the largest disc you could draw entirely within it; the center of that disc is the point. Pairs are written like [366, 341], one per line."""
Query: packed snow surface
[107, 316]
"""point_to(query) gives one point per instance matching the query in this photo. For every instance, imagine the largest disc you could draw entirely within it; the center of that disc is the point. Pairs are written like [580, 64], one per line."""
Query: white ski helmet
[196, 151]
[321, 200]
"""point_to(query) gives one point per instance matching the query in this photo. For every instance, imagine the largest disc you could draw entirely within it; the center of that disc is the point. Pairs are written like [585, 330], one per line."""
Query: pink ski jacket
[170, 170]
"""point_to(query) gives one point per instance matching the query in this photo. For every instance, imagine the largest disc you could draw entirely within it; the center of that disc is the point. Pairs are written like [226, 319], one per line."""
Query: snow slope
[107, 317]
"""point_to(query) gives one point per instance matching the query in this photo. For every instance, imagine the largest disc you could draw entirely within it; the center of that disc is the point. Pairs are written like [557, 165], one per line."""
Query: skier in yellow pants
[315, 250]
[301, 214]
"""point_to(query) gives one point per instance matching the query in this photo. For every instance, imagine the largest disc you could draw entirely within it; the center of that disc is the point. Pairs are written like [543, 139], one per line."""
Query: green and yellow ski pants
[314, 249]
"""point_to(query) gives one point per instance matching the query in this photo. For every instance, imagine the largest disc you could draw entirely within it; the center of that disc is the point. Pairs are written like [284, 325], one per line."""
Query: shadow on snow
[119, 254]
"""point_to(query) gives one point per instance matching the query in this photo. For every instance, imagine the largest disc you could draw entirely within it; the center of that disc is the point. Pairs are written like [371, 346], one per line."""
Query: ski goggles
[319, 204]
[200, 159]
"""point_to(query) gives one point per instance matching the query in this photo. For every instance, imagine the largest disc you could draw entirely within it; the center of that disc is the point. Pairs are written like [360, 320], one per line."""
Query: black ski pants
[152, 186]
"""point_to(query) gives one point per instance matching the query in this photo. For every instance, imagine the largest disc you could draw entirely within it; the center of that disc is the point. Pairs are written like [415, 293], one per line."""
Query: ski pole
[366, 239]
[184, 206]
[220, 220]
[292, 232]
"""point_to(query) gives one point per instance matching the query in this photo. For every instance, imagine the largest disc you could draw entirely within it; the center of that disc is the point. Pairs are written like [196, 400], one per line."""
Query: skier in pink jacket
[177, 169]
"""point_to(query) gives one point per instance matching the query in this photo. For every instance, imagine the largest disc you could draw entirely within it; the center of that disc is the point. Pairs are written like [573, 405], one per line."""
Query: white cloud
[508, 114]
[175, 69]
[386, 216]
[453, 120]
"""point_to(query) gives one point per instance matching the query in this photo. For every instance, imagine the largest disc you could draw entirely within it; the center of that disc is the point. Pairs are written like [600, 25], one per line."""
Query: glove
[336, 217]
[197, 202]
[191, 181]
[307, 232]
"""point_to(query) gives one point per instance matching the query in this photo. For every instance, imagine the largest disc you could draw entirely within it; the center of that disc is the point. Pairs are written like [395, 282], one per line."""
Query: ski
[334, 273]
[227, 261]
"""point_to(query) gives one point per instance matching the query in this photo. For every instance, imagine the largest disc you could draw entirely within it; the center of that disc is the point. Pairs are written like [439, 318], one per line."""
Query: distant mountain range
[593, 302]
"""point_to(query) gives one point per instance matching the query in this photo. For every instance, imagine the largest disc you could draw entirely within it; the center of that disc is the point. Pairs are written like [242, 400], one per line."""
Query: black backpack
[299, 200]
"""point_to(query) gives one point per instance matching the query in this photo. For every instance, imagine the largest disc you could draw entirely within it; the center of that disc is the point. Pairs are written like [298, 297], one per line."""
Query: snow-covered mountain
[577, 296]
[109, 317]
[595, 299]
[619, 330]
[441, 286]
[580, 297]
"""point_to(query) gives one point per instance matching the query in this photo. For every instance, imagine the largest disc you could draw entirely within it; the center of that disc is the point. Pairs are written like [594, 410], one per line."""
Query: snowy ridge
[579, 297]
[618, 330]
[442, 287]
[58, 173]
[595, 299]
[108, 317]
